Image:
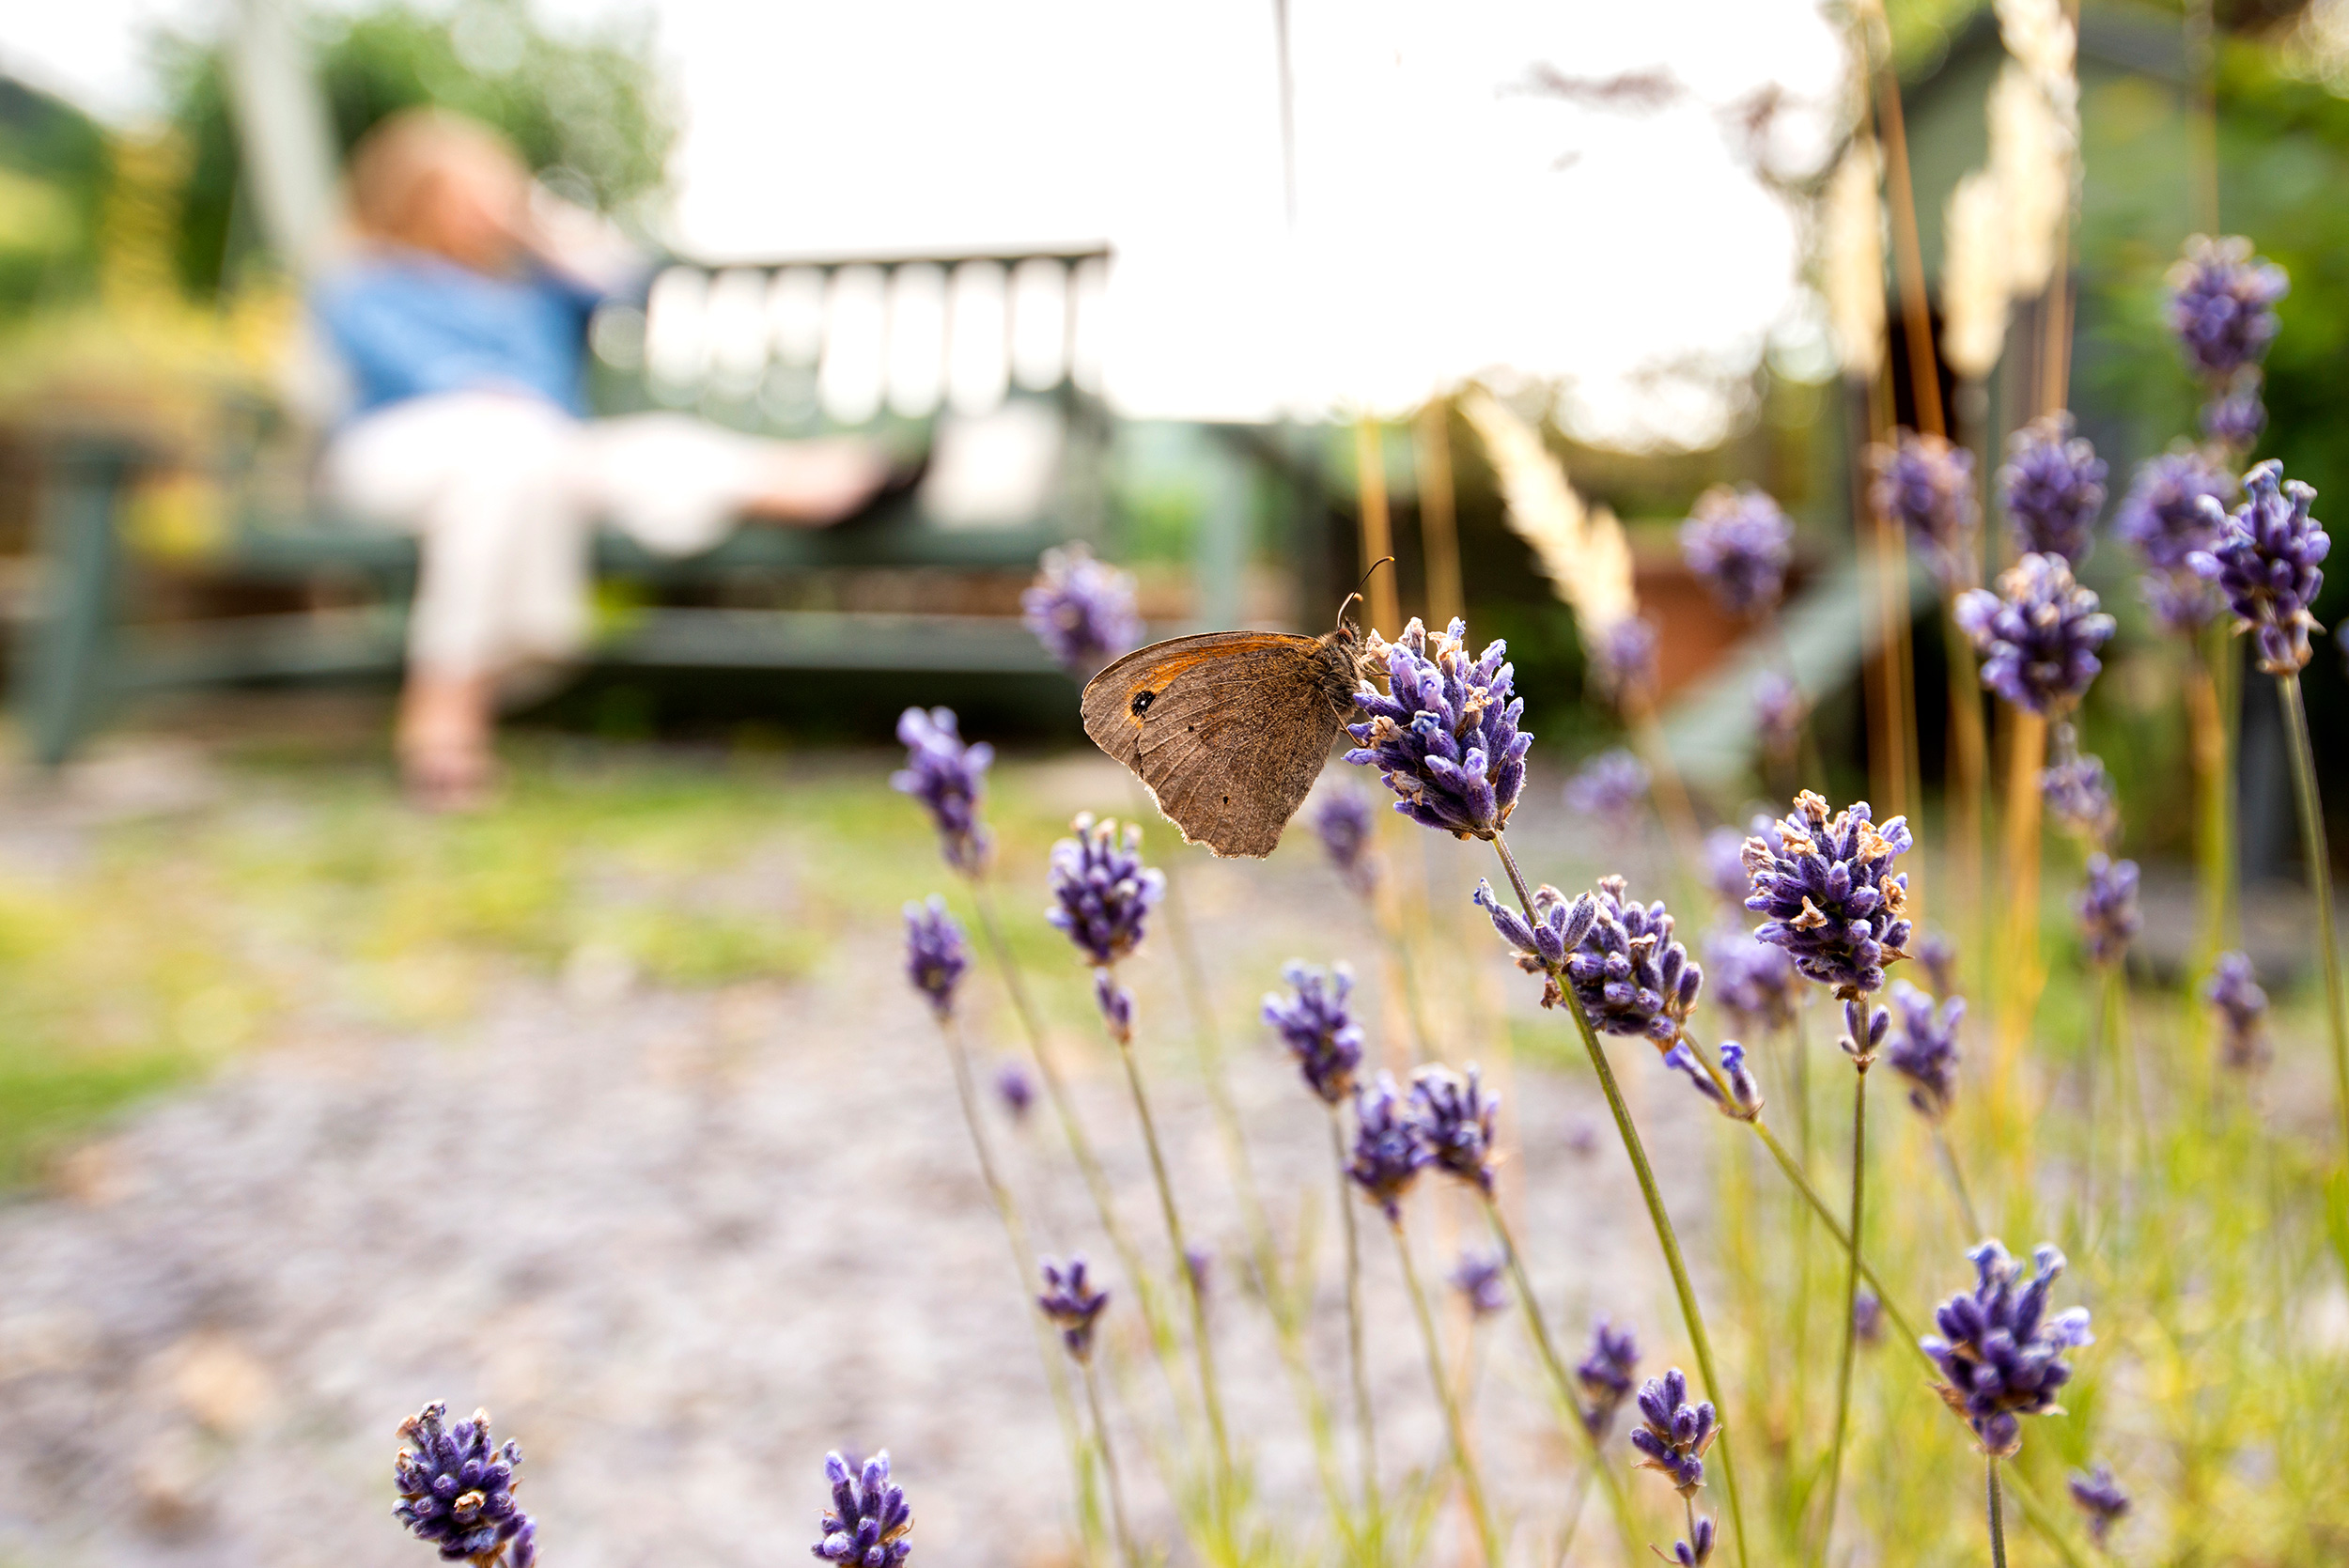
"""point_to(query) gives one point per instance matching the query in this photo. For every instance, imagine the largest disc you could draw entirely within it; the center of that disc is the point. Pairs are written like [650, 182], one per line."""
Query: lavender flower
[1673, 1434]
[1777, 714]
[1604, 1374]
[1754, 979]
[2235, 418]
[2162, 516]
[1102, 892]
[2080, 798]
[1926, 1053]
[1390, 1149]
[1742, 1102]
[2038, 634]
[2098, 1495]
[1740, 543]
[1998, 1351]
[2265, 562]
[2181, 602]
[1478, 1277]
[1343, 825]
[2222, 305]
[2107, 907]
[1071, 1304]
[1725, 864]
[2233, 992]
[1319, 1032]
[1624, 660]
[1629, 975]
[2053, 485]
[1446, 738]
[457, 1490]
[1612, 787]
[1696, 1551]
[1117, 1004]
[1864, 1028]
[868, 1518]
[936, 957]
[1456, 1123]
[949, 779]
[1938, 959]
[1017, 1089]
[1867, 1317]
[1081, 610]
[1926, 486]
[1558, 925]
[1833, 900]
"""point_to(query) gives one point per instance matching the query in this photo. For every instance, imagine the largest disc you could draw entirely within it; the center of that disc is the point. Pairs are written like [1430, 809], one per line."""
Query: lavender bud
[2265, 562]
[1673, 1434]
[1478, 1277]
[1754, 979]
[1445, 736]
[2222, 305]
[1612, 787]
[1939, 961]
[1558, 925]
[1863, 1031]
[949, 779]
[1101, 891]
[1725, 864]
[1343, 823]
[1742, 1102]
[2038, 634]
[456, 1487]
[936, 957]
[2107, 907]
[1390, 1149]
[1926, 1053]
[2235, 418]
[1926, 486]
[1629, 975]
[2233, 992]
[1017, 1089]
[2000, 1353]
[1604, 1374]
[1867, 1317]
[2098, 1495]
[1199, 1264]
[2053, 485]
[1455, 1120]
[1624, 660]
[1071, 1304]
[1827, 886]
[1313, 1022]
[868, 1518]
[1117, 1004]
[2079, 799]
[1081, 610]
[1738, 544]
[1698, 1549]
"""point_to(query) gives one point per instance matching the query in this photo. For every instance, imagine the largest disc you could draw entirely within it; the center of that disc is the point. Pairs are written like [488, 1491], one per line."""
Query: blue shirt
[409, 324]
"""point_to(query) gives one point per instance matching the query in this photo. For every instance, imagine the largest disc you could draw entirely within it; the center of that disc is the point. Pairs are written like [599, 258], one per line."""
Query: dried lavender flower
[2038, 634]
[868, 1518]
[2222, 305]
[455, 1488]
[1629, 975]
[1456, 1123]
[1604, 1374]
[1998, 1351]
[1673, 1434]
[1827, 886]
[1081, 610]
[1071, 1304]
[1754, 979]
[1017, 1089]
[1925, 1054]
[1611, 786]
[1390, 1149]
[1446, 737]
[1738, 543]
[2233, 992]
[1926, 485]
[1343, 823]
[2052, 486]
[1479, 1277]
[1102, 893]
[2107, 907]
[1314, 1023]
[1742, 1102]
[949, 779]
[2098, 1495]
[2080, 798]
[2265, 562]
[1777, 714]
[936, 957]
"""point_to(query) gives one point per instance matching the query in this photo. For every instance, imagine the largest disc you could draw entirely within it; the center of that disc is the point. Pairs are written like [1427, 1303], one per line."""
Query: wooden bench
[917, 350]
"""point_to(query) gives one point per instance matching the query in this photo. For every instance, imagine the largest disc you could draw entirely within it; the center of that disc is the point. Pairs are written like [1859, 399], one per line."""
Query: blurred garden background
[607, 1106]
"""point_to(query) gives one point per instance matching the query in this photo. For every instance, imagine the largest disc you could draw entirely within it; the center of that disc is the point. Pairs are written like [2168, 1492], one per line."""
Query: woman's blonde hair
[395, 165]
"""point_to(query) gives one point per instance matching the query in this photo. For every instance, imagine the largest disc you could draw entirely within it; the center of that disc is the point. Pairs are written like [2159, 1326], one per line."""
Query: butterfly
[1228, 730]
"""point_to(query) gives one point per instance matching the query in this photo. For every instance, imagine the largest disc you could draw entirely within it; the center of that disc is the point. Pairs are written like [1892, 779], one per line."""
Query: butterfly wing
[1228, 729]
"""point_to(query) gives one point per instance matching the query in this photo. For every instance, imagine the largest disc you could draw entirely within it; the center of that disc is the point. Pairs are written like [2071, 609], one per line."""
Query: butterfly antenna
[1355, 596]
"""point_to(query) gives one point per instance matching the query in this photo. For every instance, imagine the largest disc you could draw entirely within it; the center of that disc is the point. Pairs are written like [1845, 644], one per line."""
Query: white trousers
[503, 493]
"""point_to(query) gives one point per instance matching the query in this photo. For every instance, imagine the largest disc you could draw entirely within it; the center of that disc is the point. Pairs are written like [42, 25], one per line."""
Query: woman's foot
[815, 484]
[446, 763]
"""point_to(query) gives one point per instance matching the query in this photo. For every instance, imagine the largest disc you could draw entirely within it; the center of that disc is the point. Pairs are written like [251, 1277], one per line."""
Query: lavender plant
[2038, 635]
[1071, 1304]
[949, 779]
[456, 1487]
[1604, 1374]
[1738, 543]
[1926, 486]
[866, 1524]
[2222, 310]
[2100, 1498]
[2052, 487]
[1081, 610]
[936, 957]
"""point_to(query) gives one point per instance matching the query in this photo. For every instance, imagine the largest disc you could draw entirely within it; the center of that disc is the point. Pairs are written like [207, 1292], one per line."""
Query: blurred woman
[460, 318]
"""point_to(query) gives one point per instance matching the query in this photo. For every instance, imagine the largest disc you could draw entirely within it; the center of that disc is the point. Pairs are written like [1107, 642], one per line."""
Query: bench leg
[63, 658]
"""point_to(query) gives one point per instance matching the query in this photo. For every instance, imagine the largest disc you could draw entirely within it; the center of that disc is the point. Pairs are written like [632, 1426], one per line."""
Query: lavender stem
[1462, 1454]
[1851, 1301]
[1998, 1517]
[1108, 1468]
[1357, 1361]
[2320, 883]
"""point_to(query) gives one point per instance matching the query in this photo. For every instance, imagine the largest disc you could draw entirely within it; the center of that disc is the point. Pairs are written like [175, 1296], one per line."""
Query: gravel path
[681, 1244]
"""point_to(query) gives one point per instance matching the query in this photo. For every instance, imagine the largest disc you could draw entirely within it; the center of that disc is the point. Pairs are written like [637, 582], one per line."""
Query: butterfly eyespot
[1143, 700]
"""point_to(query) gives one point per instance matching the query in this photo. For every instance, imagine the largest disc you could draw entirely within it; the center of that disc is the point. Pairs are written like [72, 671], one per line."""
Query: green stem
[1109, 1467]
[1357, 1360]
[1210, 1394]
[1974, 1231]
[1666, 1238]
[1463, 1456]
[2320, 883]
[1570, 1409]
[1851, 1301]
[1998, 1515]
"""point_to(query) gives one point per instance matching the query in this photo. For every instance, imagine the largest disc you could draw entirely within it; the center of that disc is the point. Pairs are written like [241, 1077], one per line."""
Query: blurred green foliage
[587, 111]
[52, 185]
